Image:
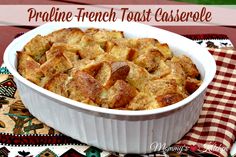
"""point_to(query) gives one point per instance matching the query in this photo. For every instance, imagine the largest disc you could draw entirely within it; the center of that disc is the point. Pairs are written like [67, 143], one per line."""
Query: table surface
[8, 33]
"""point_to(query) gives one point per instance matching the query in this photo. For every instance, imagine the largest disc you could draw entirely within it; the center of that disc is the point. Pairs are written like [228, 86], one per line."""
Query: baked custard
[103, 68]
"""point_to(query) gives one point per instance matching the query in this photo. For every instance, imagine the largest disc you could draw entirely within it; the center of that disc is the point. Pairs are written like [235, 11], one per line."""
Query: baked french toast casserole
[103, 68]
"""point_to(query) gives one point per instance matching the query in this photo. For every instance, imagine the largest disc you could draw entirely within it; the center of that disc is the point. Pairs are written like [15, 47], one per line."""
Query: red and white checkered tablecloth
[215, 131]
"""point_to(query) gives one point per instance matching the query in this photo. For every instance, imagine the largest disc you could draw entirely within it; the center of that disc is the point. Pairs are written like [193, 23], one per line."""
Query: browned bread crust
[86, 85]
[103, 68]
[37, 46]
[57, 84]
[120, 94]
[192, 84]
[168, 99]
[29, 68]
[57, 64]
[66, 35]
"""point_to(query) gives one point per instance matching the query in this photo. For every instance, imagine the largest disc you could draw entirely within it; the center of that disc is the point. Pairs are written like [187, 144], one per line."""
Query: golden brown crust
[162, 70]
[104, 74]
[83, 63]
[143, 101]
[161, 86]
[168, 99]
[91, 30]
[43, 59]
[177, 72]
[88, 48]
[37, 47]
[145, 44]
[120, 94]
[122, 53]
[102, 36]
[119, 71]
[189, 67]
[108, 73]
[92, 69]
[108, 46]
[29, 68]
[57, 64]
[192, 84]
[57, 84]
[66, 35]
[102, 68]
[165, 50]
[105, 57]
[149, 60]
[69, 51]
[137, 76]
[86, 85]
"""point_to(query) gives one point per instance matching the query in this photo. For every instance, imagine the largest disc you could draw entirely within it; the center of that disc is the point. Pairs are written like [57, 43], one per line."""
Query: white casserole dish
[108, 129]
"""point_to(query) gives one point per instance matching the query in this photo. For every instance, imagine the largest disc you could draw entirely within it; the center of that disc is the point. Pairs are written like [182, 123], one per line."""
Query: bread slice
[70, 51]
[66, 35]
[120, 94]
[192, 84]
[106, 57]
[189, 67]
[143, 101]
[57, 64]
[161, 86]
[88, 48]
[162, 70]
[145, 43]
[169, 99]
[43, 59]
[123, 53]
[137, 76]
[83, 86]
[104, 74]
[102, 35]
[110, 73]
[57, 84]
[92, 69]
[177, 71]
[108, 45]
[165, 50]
[29, 68]
[149, 60]
[37, 47]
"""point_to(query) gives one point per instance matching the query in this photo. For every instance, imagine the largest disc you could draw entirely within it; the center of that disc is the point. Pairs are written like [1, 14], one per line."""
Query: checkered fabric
[215, 131]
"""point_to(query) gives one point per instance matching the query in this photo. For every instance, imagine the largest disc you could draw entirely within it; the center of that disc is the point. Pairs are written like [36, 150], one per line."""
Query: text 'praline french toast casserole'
[103, 68]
